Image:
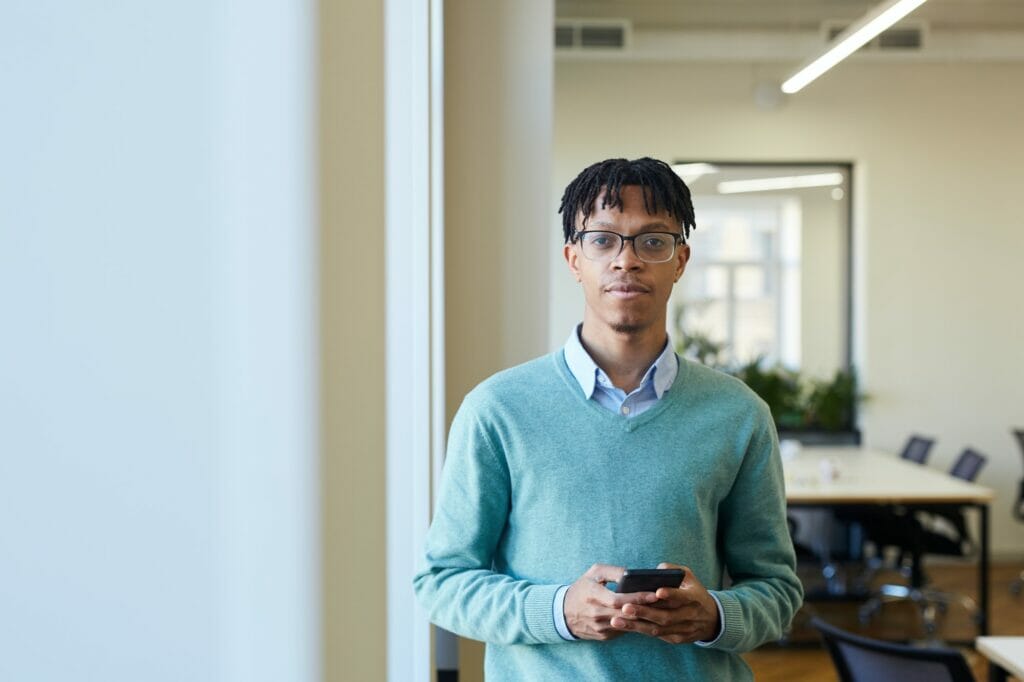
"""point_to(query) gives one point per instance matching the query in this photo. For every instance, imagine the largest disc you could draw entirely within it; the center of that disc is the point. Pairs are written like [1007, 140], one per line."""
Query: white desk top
[871, 477]
[1006, 652]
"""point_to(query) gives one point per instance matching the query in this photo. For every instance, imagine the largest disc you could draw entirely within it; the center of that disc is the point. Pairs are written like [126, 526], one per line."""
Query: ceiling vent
[606, 35]
[904, 37]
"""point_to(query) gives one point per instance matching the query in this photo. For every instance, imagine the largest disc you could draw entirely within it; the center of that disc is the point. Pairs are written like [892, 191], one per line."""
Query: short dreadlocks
[663, 189]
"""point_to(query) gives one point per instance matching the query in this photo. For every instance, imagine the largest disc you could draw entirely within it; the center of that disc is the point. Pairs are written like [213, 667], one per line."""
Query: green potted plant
[808, 409]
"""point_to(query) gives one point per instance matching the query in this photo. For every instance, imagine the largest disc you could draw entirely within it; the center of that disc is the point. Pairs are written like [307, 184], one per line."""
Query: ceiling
[790, 15]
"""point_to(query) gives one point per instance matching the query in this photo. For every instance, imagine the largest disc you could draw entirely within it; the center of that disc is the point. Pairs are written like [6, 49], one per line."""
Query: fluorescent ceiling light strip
[691, 171]
[787, 182]
[852, 39]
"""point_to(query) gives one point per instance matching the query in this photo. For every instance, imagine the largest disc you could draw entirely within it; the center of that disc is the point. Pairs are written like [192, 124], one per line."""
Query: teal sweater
[540, 483]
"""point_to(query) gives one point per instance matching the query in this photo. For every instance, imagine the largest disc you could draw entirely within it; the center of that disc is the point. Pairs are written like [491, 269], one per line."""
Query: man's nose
[627, 258]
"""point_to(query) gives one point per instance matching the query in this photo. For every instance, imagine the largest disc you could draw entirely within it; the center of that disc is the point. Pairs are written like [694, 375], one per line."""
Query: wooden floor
[803, 661]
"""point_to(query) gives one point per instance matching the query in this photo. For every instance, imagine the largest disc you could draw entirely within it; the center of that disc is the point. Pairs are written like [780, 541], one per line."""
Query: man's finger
[683, 631]
[619, 600]
[675, 596]
[660, 616]
[652, 615]
[604, 573]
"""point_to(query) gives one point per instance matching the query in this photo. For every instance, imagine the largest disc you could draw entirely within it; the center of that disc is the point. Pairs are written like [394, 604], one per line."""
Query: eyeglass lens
[650, 247]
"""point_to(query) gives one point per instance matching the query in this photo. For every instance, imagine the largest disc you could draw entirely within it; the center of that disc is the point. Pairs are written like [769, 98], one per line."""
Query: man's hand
[687, 613]
[590, 606]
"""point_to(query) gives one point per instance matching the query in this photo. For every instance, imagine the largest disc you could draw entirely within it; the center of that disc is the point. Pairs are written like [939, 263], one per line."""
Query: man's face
[625, 294]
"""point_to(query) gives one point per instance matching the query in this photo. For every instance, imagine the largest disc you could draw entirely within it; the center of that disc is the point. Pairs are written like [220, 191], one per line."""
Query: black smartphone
[649, 579]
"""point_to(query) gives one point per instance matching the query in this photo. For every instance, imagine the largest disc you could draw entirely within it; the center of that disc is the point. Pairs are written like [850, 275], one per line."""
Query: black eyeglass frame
[677, 240]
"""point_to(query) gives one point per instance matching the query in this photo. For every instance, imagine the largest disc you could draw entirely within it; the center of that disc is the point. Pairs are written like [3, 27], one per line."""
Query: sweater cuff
[538, 608]
[731, 633]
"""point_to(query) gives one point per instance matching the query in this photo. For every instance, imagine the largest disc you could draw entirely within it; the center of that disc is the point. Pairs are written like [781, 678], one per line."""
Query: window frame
[848, 281]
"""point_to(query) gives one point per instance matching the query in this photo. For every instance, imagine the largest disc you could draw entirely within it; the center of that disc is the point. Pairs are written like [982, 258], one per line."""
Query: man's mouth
[627, 290]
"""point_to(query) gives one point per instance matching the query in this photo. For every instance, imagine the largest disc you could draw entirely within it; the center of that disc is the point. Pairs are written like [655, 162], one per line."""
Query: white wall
[822, 284]
[936, 149]
[158, 424]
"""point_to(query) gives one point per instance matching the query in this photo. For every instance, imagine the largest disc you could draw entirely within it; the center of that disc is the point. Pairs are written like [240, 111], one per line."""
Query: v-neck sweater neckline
[667, 400]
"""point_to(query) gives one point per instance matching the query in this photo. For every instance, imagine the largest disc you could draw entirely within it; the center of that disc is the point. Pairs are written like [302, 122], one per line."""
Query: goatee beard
[626, 328]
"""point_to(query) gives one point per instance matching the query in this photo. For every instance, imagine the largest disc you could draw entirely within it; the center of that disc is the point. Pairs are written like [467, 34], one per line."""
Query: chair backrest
[954, 539]
[1018, 506]
[968, 464]
[859, 659]
[917, 449]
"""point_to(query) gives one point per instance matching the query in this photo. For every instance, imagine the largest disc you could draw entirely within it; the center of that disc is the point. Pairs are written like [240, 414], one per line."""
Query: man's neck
[624, 357]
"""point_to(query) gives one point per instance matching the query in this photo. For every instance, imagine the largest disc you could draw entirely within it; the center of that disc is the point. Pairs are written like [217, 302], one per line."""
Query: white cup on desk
[788, 449]
[827, 470]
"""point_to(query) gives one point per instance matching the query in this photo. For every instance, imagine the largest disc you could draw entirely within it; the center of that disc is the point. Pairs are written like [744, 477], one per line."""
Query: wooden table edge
[826, 498]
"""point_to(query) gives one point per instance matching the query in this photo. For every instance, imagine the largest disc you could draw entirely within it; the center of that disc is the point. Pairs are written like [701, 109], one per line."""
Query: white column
[415, 312]
[158, 392]
[268, 350]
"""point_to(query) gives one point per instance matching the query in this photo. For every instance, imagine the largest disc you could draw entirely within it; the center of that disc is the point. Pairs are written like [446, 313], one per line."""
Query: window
[768, 276]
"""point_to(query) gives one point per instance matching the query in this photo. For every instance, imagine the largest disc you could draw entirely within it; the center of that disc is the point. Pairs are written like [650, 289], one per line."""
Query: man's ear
[682, 258]
[572, 257]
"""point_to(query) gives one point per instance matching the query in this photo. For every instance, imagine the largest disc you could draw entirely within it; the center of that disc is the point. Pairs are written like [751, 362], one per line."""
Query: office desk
[1005, 655]
[865, 476]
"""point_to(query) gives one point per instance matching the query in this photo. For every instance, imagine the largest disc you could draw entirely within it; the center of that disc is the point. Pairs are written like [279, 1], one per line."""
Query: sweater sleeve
[456, 583]
[758, 552]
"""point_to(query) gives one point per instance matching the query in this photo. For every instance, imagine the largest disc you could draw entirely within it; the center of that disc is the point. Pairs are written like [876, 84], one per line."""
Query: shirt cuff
[559, 614]
[721, 622]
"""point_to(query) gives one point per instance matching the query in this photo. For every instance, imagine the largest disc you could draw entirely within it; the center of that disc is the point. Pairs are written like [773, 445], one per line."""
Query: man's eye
[654, 242]
[601, 242]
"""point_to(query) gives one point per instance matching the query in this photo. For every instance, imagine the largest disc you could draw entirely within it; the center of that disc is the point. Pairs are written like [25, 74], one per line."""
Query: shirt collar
[585, 370]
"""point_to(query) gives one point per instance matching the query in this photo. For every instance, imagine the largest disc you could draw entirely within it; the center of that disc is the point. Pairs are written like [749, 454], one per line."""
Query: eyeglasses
[650, 247]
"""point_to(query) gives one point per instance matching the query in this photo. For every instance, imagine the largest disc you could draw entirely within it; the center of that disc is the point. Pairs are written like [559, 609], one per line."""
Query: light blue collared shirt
[596, 386]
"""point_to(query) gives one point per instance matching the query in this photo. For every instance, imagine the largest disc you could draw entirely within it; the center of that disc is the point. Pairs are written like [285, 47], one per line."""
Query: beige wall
[498, 92]
[352, 337]
[498, 121]
[936, 149]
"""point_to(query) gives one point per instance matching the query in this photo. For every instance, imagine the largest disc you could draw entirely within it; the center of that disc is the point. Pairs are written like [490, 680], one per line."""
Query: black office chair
[825, 564]
[803, 552]
[917, 449]
[926, 530]
[967, 465]
[1018, 512]
[859, 659]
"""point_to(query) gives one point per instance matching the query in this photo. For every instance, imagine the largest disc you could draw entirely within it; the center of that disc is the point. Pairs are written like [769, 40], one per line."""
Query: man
[613, 453]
